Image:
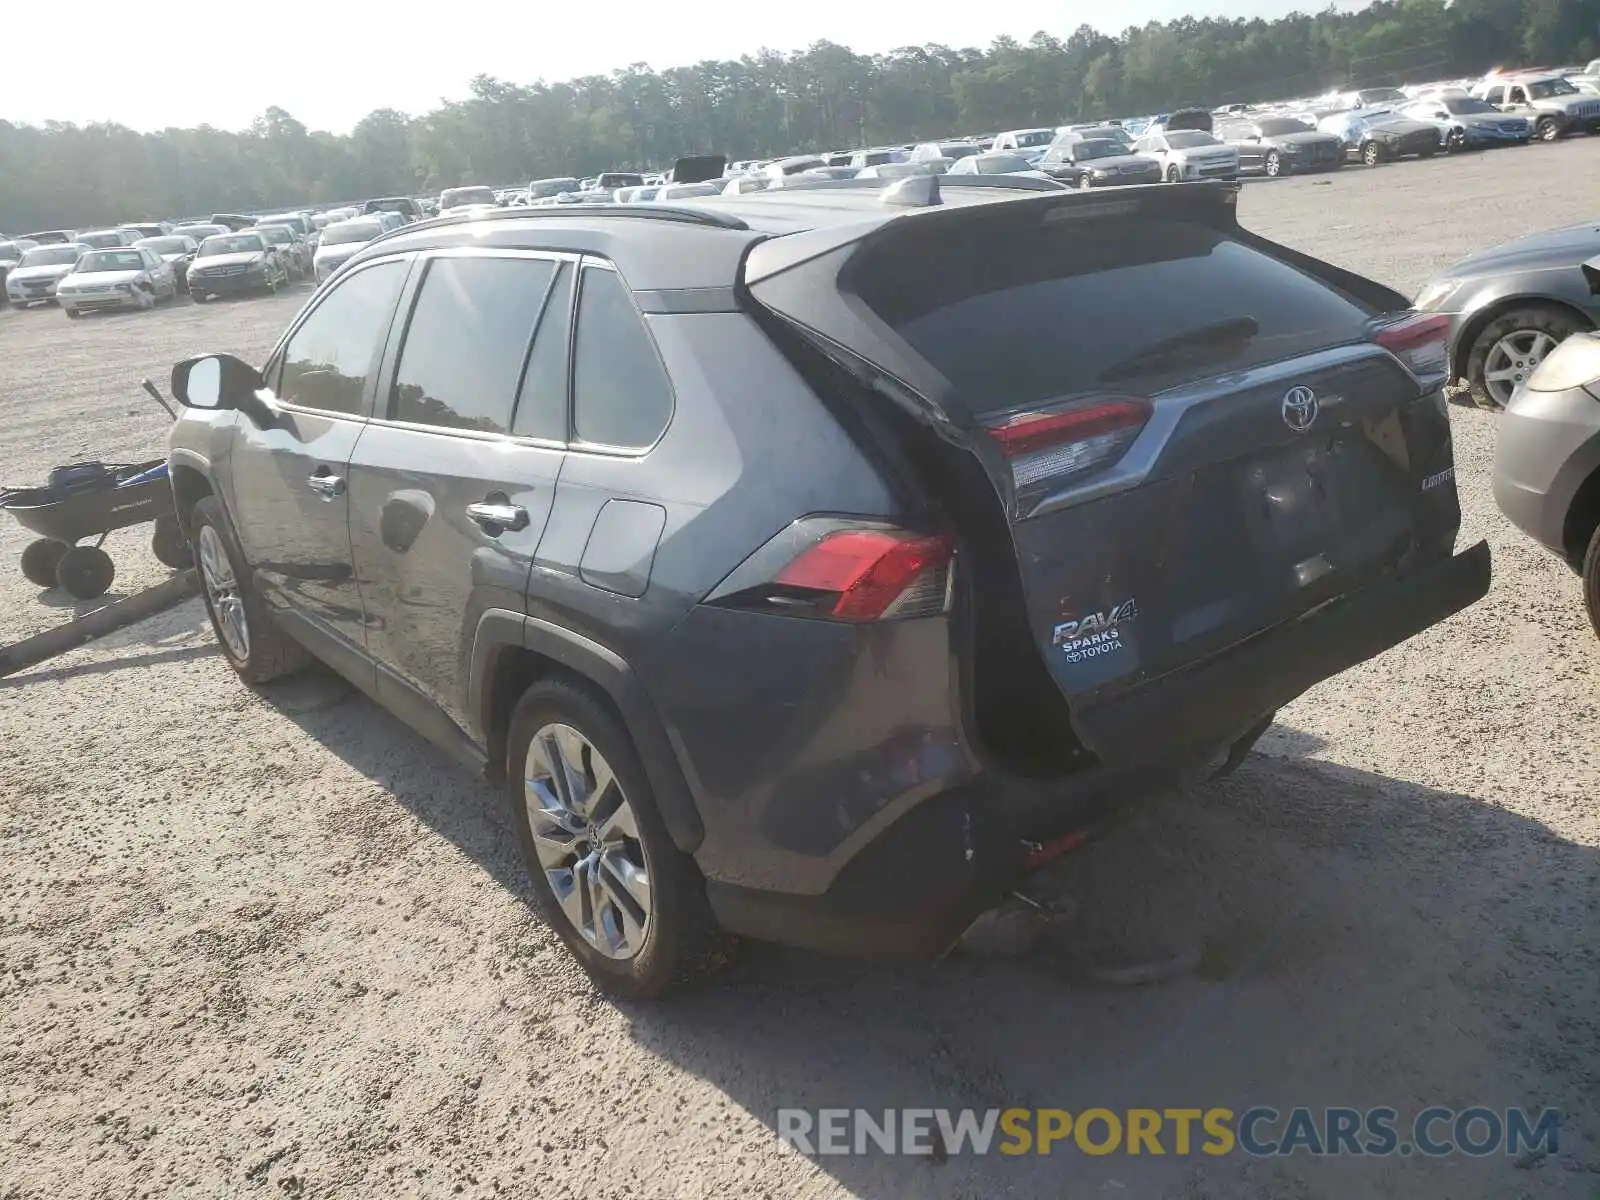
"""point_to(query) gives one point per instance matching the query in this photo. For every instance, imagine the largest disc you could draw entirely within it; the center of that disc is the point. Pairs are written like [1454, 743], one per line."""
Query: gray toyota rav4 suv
[811, 564]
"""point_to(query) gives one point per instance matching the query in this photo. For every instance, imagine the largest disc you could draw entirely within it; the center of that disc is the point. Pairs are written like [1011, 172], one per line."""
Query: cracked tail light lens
[1044, 447]
[871, 575]
[1419, 340]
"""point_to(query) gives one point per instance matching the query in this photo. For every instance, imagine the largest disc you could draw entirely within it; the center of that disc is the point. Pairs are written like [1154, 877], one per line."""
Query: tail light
[1048, 446]
[850, 572]
[1419, 340]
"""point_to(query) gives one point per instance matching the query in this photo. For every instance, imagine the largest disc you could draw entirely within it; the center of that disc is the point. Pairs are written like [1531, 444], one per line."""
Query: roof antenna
[914, 191]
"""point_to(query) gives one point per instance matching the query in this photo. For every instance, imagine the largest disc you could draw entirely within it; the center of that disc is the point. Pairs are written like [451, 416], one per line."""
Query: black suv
[810, 564]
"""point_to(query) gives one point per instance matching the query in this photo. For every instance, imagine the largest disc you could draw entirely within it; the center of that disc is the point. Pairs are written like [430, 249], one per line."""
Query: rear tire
[85, 572]
[679, 938]
[39, 560]
[72, 313]
[266, 652]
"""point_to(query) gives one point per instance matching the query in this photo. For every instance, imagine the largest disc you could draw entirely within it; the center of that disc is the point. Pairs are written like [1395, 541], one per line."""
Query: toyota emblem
[1299, 408]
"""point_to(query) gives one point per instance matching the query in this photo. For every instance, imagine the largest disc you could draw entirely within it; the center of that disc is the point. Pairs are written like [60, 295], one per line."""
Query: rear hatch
[1194, 435]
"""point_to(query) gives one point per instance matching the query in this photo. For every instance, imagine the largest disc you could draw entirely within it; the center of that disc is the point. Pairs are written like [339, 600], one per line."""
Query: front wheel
[1547, 130]
[1508, 349]
[1174, 175]
[1371, 154]
[1274, 165]
[630, 906]
[72, 313]
[255, 646]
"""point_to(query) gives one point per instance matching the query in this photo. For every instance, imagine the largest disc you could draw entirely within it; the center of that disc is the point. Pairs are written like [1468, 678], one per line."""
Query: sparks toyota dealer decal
[1094, 634]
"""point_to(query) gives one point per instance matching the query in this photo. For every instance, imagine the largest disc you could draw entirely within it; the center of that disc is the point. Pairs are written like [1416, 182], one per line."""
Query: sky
[331, 64]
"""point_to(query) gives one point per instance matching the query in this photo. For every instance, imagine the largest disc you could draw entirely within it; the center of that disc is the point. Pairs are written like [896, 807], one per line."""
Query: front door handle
[327, 486]
[498, 518]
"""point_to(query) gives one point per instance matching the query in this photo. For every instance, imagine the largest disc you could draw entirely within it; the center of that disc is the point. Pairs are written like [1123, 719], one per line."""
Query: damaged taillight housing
[1420, 340]
[1047, 448]
[837, 569]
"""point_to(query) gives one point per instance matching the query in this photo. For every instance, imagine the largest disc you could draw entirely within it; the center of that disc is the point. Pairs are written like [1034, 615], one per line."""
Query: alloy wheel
[587, 841]
[1512, 359]
[222, 590]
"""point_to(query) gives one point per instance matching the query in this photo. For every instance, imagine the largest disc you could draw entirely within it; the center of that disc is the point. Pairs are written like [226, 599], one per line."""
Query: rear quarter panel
[748, 450]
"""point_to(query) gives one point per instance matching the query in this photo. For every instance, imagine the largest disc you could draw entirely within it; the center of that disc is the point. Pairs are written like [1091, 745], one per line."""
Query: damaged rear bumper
[914, 889]
[1214, 701]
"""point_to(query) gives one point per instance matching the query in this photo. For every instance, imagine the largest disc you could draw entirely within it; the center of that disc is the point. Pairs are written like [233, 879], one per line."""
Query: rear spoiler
[1212, 202]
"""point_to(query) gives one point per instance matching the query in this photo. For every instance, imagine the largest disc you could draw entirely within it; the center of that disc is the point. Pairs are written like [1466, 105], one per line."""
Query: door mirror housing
[220, 382]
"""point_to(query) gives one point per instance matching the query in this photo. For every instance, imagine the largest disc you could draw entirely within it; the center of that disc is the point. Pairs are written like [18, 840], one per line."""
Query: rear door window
[467, 340]
[621, 396]
[1099, 306]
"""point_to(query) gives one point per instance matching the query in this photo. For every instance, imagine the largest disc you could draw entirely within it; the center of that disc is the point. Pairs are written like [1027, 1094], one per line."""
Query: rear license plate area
[1293, 498]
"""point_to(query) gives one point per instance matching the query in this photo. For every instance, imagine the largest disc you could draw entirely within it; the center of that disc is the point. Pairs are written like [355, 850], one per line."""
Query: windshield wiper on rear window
[1220, 339]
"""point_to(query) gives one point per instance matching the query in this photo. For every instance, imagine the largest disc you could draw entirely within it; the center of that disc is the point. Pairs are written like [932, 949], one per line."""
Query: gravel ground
[271, 943]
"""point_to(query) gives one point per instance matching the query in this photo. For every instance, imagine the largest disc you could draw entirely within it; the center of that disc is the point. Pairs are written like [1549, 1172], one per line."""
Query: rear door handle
[498, 518]
[327, 486]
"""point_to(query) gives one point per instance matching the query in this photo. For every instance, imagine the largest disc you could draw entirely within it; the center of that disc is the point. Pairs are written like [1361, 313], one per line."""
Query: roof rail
[651, 211]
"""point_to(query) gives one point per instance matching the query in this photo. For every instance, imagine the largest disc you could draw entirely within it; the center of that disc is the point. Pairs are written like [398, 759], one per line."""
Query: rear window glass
[1099, 305]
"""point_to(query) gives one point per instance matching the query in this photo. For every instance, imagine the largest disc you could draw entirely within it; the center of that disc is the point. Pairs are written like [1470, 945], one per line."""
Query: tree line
[824, 97]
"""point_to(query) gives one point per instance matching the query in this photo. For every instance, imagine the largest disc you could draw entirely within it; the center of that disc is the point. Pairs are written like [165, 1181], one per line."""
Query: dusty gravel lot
[264, 944]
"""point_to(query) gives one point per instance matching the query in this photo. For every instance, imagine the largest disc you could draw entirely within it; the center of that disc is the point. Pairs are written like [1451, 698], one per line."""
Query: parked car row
[140, 264]
[1369, 126]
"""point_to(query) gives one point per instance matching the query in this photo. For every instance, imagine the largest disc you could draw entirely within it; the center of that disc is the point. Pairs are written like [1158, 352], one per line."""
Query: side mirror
[221, 382]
